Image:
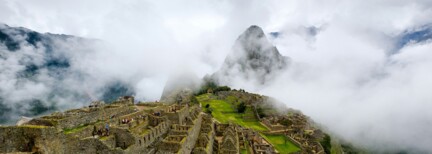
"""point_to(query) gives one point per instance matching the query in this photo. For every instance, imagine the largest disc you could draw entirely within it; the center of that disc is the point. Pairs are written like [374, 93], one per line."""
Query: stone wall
[220, 129]
[92, 117]
[87, 131]
[295, 142]
[230, 141]
[88, 145]
[167, 147]
[205, 142]
[109, 141]
[125, 100]
[155, 133]
[155, 120]
[193, 133]
[29, 139]
[182, 138]
[271, 126]
[179, 116]
[144, 143]
[123, 137]
[40, 139]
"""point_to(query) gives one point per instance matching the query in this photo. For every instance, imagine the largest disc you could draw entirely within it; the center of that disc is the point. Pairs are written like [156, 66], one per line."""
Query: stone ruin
[125, 100]
[274, 123]
[96, 104]
[154, 128]
[120, 127]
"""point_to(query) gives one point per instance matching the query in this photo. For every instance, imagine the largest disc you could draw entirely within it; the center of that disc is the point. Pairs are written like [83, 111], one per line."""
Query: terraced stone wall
[30, 139]
[93, 117]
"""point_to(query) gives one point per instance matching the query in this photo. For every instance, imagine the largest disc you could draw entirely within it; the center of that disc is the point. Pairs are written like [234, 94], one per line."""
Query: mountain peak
[253, 31]
[253, 56]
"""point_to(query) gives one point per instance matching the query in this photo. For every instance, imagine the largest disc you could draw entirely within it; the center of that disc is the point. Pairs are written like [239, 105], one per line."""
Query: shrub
[241, 108]
[208, 110]
[326, 143]
[222, 88]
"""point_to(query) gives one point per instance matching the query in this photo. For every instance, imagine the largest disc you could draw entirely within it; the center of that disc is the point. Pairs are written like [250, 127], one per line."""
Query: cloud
[342, 75]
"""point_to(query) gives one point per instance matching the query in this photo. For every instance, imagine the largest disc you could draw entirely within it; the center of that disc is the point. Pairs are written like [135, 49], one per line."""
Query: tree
[94, 131]
[222, 88]
[241, 108]
[326, 143]
[208, 110]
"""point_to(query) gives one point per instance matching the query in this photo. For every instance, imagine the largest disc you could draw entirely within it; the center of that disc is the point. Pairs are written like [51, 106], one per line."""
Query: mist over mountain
[41, 73]
[178, 84]
[253, 57]
[360, 68]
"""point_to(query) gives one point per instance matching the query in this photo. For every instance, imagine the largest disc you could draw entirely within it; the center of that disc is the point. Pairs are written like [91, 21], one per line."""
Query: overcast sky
[347, 73]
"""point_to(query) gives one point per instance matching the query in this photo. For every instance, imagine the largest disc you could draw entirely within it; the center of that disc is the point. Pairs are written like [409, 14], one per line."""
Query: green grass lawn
[224, 112]
[249, 112]
[76, 129]
[231, 99]
[278, 141]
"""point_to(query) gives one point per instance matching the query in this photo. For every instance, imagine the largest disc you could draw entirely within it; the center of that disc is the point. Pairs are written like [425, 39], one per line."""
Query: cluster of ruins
[126, 127]
[298, 130]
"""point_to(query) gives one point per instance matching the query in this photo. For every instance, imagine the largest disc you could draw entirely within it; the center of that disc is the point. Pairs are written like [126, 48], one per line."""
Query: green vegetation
[241, 108]
[142, 132]
[193, 100]
[76, 129]
[249, 112]
[208, 109]
[80, 127]
[226, 112]
[245, 151]
[281, 143]
[350, 149]
[33, 126]
[212, 87]
[260, 112]
[103, 138]
[326, 143]
[221, 88]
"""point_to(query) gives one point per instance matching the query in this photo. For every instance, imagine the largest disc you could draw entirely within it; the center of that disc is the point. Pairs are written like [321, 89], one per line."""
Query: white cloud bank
[343, 77]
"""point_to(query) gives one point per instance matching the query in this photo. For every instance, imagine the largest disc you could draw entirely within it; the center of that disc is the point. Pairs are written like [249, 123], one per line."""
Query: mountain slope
[41, 72]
